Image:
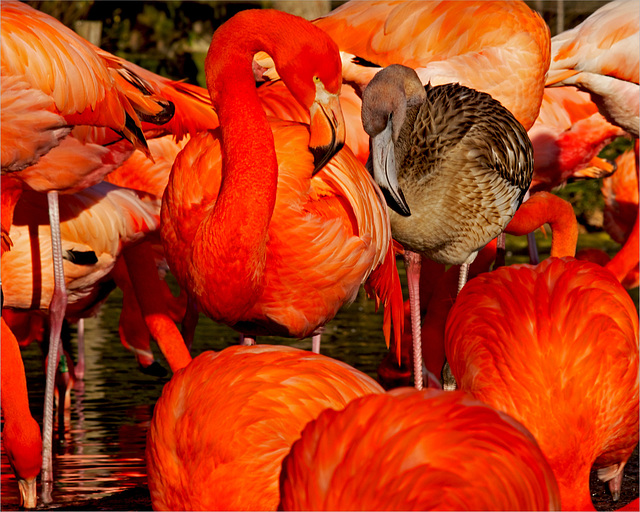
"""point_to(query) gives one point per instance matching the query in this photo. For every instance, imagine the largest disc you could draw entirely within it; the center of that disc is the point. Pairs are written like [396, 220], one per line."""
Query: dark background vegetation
[171, 38]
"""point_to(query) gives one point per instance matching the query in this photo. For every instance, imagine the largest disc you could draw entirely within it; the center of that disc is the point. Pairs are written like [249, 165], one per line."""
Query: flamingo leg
[247, 340]
[448, 380]
[534, 259]
[501, 250]
[412, 263]
[189, 322]
[56, 317]
[315, 340]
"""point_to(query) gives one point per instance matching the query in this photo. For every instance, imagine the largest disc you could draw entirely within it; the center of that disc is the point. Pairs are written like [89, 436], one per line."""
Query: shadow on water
[99, 462]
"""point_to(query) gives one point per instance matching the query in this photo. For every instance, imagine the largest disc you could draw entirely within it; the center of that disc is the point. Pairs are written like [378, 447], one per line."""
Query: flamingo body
[96, 224]
[482, 45]
[567, 137]
[225, 422]
[324, 236]
[248, 227]
[600, 56]
[411, 450]
[556, 347]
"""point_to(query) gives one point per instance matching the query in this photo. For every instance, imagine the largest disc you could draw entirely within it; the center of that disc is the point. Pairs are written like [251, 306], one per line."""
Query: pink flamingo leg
[315, 343]
[315, 340]
[56, 316]
[247, 340]
[412, 263]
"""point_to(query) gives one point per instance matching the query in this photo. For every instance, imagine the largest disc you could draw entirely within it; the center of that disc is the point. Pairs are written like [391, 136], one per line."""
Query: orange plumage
[416, 450]
[555, 346]
[600, 56]
[21, 433]
[225, 422]
[567, 137]
[501, 48]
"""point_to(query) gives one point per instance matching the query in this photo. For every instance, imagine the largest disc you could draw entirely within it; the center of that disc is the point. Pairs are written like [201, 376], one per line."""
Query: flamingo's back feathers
[576, 329]
[95, 225]
[224, 423]
[399, 451]
[450, 42]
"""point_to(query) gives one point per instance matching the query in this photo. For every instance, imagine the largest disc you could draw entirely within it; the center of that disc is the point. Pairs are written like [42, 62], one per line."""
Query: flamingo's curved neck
[234, 234]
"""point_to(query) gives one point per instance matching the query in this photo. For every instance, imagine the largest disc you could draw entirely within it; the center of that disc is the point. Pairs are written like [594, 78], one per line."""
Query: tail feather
[385, 288]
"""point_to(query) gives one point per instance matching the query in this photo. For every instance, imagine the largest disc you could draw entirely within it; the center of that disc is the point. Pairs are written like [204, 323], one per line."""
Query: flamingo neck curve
[230, 246]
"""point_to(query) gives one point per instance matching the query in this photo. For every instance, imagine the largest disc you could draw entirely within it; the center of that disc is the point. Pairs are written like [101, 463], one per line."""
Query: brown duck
[454, 166]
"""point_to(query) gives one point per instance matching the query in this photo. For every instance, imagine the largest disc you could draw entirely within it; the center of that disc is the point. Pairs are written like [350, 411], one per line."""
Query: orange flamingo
[478, 44]
[556, 347]
[395, 451]
[225, 422]
[21, 433]
[567, 137]
[97, 225]
[600, 56]
[264, 236]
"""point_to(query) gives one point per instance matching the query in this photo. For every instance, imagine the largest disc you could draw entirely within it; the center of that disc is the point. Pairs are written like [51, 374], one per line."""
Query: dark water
[99, 462]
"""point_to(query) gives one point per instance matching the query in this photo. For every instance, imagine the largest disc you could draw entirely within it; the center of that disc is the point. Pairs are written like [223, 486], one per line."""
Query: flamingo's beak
[382, 165]
[327, 127]
[28, 495]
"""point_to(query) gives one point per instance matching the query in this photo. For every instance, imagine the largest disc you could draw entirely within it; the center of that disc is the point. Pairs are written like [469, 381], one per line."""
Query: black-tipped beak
[327, 128]
[382, 161]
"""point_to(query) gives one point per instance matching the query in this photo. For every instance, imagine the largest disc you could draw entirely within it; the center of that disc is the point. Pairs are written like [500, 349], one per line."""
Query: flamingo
[600, 56]
[97, 225]
[261, 233]
[454, 165]
[21, 433]
[556, 347]
[416, 450]
[567, 137]
[225, 422]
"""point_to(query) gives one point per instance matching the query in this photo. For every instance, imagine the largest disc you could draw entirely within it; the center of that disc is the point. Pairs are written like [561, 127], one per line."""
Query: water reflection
[101, 450]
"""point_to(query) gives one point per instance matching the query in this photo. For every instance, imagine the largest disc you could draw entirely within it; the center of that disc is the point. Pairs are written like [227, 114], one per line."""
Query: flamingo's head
[23, 445]
[312, 70]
